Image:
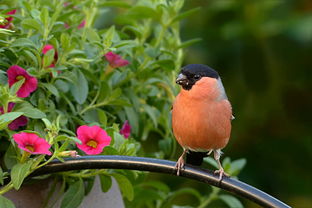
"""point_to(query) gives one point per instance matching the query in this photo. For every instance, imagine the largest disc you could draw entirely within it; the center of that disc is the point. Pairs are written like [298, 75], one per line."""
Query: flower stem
[213, 196]
[6, 188]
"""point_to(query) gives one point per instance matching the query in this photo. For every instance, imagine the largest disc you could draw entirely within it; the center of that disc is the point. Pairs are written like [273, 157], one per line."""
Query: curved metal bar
[161, 166]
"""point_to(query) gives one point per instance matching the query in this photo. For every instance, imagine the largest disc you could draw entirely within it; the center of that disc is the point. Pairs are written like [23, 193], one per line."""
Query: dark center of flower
[92, 143]
[19, 77]
[30, 148]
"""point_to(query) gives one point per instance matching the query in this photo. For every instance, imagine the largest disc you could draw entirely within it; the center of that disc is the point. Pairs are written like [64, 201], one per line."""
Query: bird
[201, 116]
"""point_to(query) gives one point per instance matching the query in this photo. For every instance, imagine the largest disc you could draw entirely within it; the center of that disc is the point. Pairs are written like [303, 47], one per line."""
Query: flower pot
[34, 195]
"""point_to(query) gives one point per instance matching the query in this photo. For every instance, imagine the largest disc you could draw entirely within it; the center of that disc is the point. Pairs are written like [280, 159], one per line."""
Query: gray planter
[33, 196]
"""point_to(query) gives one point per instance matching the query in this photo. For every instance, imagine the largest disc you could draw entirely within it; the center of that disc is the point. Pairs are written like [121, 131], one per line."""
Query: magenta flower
[9, 19]
[18, 122]
[82, 24]
[32, 143]
[93, 139]
[67, 26]
[45, 49]
[16, 73]
[125, 129]
[115, 60]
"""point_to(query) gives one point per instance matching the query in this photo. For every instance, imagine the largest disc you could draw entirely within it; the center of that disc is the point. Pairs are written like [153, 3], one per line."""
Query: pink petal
[82, 24]
[46, 48]
[66, 25]
[83, 133]
[19, 138]
[25, 139]
[87, 133]
[12, 12]
[110, 57]
[126, 129]
[115, 60]
[13, 72]
[121, 62]
[29, 85]
[20, 121]
[9, 20]
[42, 147]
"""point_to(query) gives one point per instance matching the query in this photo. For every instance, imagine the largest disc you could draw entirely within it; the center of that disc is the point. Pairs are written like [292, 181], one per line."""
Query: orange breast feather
[200, 120]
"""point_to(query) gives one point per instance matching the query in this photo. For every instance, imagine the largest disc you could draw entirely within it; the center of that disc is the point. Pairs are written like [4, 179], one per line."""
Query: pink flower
[16, 73]
[20, 121]
[67, 26]
[115, 60]
[45, 49]
[82, 24]
[93, 139]
[32, 143]
[126, 129]
[9, 20]
[65, 4]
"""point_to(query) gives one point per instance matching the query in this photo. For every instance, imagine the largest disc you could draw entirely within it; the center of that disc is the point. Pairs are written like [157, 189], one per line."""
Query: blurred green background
[263, 51]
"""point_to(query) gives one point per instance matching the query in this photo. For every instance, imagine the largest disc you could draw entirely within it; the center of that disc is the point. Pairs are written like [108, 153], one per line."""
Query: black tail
[195, 158]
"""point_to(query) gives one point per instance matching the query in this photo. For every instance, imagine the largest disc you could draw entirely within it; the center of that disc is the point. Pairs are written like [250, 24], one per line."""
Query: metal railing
[161, 166]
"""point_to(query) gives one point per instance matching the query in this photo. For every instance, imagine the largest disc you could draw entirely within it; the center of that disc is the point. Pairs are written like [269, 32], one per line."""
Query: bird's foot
[221, 173]
[179, 165]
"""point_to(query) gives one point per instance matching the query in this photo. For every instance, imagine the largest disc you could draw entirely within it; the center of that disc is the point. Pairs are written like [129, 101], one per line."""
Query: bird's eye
[197, 76]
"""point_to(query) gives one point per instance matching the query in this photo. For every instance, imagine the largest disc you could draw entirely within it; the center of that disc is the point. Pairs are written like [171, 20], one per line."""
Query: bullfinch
[201, 116]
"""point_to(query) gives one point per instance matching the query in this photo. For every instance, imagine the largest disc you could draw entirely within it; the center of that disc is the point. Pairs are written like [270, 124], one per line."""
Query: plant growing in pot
[86, 78]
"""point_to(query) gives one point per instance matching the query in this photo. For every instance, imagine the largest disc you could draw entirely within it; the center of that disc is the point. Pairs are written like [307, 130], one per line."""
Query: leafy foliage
[77, 85]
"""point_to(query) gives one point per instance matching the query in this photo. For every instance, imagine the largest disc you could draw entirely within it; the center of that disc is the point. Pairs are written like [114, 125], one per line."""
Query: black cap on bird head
[191, 73]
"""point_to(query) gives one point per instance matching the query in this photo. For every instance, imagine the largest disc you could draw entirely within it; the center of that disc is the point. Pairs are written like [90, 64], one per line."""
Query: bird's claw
[221, 173]
[179, 165]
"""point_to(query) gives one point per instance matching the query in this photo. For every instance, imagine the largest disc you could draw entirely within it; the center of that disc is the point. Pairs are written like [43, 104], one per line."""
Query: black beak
[182, 79]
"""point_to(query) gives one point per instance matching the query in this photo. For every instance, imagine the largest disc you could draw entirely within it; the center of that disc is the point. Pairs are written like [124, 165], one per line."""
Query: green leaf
[16, 86]
[105, 91]
[6, 31]
[211, 161]
[65, 41]
[120, 4]
[74, 195]
[125, 186]
[142, 12]
[10, 157]
[3, 78]
[237, 166]
[118, 140]
[109, 35]
[89, 182]
[102, 117]
[1, 176]
[106, 182]
[48, 58]
[152, 112]
[51, 88]
[67, 138]
[80, 89]
[32, 24]
[167, 64]
[44, 16]
[19, 173]
[31, 57]
[133, 119]
[7, 118]
[231, 201]
[6, 203]
[29, 111]
[185, 14]
[109, 150]
[92, 35]
[23, 42]
[188, 43]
